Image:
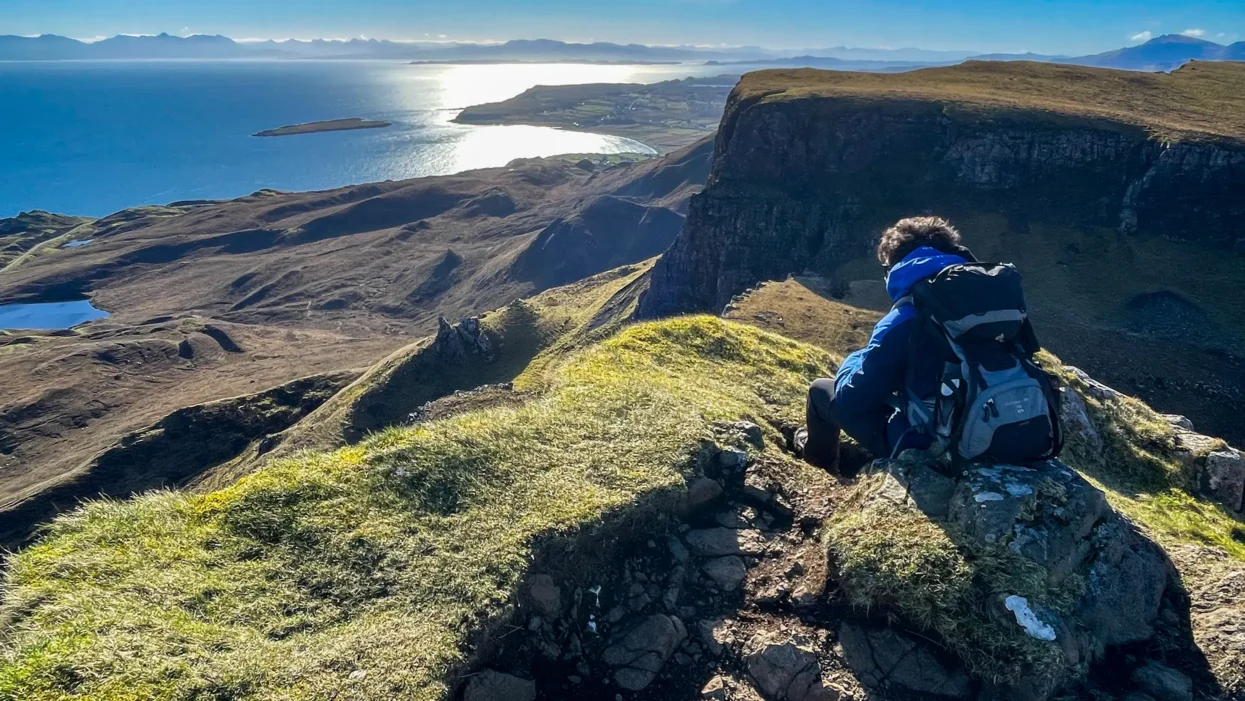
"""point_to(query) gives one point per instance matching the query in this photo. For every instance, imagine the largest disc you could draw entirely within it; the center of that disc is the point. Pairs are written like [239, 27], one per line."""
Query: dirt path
[63, 238]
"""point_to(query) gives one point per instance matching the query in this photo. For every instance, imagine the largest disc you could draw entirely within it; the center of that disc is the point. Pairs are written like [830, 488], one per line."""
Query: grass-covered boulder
[374, 571]
[1022, 573]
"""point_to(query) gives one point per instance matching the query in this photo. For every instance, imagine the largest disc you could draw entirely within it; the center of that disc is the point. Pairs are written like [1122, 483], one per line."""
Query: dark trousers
[824, 426]
[822, 448]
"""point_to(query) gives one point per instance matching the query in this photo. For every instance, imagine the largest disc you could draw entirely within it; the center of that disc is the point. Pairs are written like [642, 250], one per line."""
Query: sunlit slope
[365, 572]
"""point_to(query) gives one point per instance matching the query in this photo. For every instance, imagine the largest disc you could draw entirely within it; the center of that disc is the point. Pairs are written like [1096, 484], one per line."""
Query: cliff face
[810, 183]
[1100, 212]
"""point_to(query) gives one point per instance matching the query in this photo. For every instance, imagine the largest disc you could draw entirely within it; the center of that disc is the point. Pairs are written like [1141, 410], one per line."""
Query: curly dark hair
[909, 234]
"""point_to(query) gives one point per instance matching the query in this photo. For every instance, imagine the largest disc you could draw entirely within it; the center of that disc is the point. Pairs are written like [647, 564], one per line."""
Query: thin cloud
[1196, 33]
[1142, 36]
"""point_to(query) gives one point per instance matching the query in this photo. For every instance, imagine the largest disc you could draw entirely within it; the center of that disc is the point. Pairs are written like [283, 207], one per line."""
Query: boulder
[1124, 588]
[719, 542]
[715, 689]
[702, 491]
[784, 671]
[1218, 470]
[491, 685]
[546, 596]
[1223, 478]
[882, 656]
[1076, 421]
[727, 572]
[1045, 514]
[1049, 515]
[639, 652]
[1163, 683]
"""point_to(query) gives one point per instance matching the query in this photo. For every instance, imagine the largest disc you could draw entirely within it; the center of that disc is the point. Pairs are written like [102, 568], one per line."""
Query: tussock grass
[367, 572]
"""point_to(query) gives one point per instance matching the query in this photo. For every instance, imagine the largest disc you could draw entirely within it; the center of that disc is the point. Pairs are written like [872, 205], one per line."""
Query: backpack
[993, 404]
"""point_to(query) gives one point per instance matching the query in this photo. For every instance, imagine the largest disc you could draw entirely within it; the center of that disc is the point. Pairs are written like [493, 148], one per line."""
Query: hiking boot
[798, 440]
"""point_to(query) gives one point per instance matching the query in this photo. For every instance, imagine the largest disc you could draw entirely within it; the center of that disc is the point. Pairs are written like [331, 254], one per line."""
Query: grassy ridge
[1199, 98]
[365, 572]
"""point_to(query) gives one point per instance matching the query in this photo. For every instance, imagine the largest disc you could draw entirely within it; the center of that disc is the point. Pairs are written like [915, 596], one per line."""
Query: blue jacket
[869, 378]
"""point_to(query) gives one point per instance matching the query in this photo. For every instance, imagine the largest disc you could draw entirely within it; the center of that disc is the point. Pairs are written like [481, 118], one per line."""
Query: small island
[329, 125]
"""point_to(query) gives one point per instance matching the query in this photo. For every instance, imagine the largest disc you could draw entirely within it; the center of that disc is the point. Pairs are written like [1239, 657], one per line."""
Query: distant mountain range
[1159, 54]
[1164, 54]
[200, 46]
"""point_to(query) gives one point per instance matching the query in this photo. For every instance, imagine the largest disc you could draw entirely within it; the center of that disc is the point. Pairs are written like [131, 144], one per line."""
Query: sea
[94, 137]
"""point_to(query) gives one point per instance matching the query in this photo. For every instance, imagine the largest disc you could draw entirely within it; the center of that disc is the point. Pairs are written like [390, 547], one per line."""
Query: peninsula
[328, 125]
[668, 115]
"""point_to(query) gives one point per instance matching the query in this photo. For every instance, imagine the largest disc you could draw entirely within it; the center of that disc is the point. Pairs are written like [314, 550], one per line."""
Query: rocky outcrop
[461, 341]
[1084, 566]
[1211, 467]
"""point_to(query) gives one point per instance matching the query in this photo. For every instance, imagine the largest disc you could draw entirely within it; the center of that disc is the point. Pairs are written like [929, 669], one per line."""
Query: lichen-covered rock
[1025, 572]
[1046, 515]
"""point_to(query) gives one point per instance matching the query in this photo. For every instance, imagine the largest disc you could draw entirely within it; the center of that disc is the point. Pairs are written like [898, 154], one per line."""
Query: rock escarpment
[805, 175]
[1099, 202]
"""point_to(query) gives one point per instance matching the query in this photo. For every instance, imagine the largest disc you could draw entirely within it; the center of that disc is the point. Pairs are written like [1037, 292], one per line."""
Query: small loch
[48, 316]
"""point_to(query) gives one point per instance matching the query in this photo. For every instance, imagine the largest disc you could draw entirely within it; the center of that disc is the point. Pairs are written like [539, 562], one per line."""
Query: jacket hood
[916, 266]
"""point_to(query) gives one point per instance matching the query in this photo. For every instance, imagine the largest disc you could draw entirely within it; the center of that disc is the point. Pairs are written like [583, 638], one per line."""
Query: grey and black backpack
[993, 405]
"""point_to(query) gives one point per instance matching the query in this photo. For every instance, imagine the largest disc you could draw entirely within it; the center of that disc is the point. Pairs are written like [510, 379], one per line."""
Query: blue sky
[1048, 26]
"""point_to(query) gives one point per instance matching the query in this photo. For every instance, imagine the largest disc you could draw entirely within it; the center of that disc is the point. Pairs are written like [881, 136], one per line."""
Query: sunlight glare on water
[484, 147]
[157, 132]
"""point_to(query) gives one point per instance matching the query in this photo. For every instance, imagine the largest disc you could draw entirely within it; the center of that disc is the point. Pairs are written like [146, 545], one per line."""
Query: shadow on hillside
[679, 592]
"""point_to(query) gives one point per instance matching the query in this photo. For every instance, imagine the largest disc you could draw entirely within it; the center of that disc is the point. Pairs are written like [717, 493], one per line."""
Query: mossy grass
[1141, 472]
[894, 558]
[367, 572]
